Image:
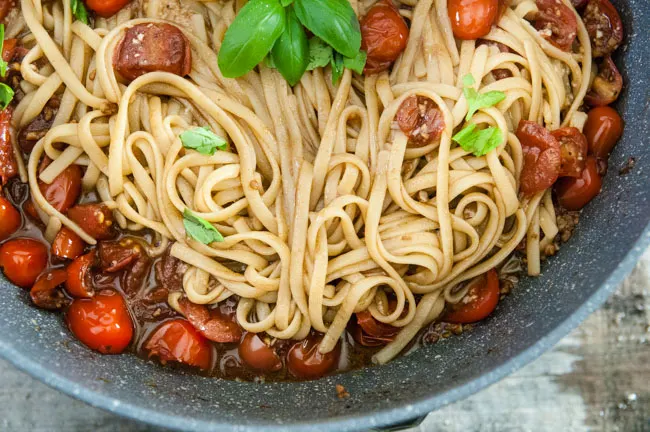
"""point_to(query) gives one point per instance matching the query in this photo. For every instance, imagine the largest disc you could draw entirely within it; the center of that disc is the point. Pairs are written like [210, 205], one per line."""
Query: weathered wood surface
[597, 378]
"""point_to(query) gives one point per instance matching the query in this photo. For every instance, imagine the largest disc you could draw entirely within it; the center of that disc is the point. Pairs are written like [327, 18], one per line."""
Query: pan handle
[408, 424]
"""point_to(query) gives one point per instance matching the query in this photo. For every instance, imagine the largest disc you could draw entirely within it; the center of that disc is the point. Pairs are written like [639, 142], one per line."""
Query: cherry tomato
[214, 324]
[603, 129]
[604, 26]
[575, 193]
[372, 332]
[10, 218]
[479, 302]
[5, 8]
[178, 341]
[23, 259]
[556, 23]
[95, 219]
[472, 19]
[102, 323]
[67, 244]
[8, 166]
[64, 190]
[305, 361]
[79, 282]
[106, 8]
[258, 355]
[578, 4]
[8, 48]
[118, 255]
[607, 85]
[384, 35]
[46, 293]
[573, 151]
[542, 158]
[420, 119]
[30, 210]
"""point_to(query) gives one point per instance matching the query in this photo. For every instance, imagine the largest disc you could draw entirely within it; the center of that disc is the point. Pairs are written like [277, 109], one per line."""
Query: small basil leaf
[337, 67]
[357, 63]
[200, 229]
[476, 100]
[3, 64]
[6, 95]
[320, 54]
[203, 140]
[479, 142]
[250, 37]
[79, 10]
[290, 53]
[334, 21]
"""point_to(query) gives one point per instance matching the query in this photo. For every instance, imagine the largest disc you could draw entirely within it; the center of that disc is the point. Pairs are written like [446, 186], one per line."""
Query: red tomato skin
[542, 157]
[305, 361]
[486, 296]
[10, 218]
[67, 244]
[384, 36]
[106, 8]
[472, 19]
[23, 259]
[78, 283]
[64, 190]
[603, 129]
[573, 151]
[45, 293]
[95, 219]
[102, 323]
[575, 193]
[178, 341]
[258, 355]
[8, 165]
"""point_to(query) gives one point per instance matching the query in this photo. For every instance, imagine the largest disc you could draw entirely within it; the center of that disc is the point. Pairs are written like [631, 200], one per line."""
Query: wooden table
[597, 378]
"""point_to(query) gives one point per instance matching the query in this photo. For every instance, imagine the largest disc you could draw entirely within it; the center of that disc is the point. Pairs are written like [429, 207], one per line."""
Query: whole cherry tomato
[64, 189]
[23, 259]
[102, 323]
[573, 151]
[178, 341]
[106, 8]
[79, 282]
[479, 302]
[603, 129]
[67, 244]
[575, 193]
[10, 218]
[46, 293]
[384, 35]
[542, 157]
[472, 19]
[557, 23]
[305, 361]
[258, 354]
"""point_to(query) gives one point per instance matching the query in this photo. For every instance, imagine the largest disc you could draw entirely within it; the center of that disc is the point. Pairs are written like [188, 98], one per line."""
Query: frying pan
[613, 231]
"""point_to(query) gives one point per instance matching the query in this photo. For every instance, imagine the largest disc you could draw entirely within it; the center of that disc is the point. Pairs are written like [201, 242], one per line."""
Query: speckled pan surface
[614, 230]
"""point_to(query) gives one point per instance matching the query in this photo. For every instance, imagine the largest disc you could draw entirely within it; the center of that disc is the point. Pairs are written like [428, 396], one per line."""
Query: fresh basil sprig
[200, 229]
[277, 28]
[79, 10]
[203, 140]
[479, 142]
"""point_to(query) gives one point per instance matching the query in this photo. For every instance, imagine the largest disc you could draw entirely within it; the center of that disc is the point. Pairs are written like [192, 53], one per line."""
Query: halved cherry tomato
[23, 259]
[384, 35]
[79, 282]
[118, 255]
[95, 219]
[305, 361]
[102, 323]
[557, 23]
[64, 190]
[46, 293]
[373, 332]
[604, 26]
[10, 219]
[258, 355]
[603, 129]
[472, 19]
[573, 150]
[575, 193]
[479, 302]
[67, 244]
[106, 8]
[542, 157]
[420, 119]
[8, 165]
[607, 85]
[178, 341]
[211, 323]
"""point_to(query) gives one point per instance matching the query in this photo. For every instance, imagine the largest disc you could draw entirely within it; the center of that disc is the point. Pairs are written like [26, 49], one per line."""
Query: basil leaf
[479, 142]
[477, 100]
[357, 63]
[203, 140]
[337, 67]
[251, 36]
[200, 229]
[6, 95]
[320, 54]
[285, 3]
[290, 53]
[79, 10]
[3, 64]
[333, 21]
